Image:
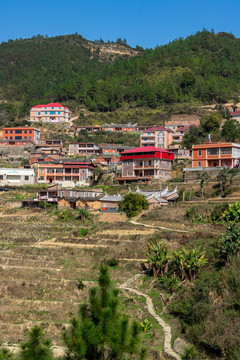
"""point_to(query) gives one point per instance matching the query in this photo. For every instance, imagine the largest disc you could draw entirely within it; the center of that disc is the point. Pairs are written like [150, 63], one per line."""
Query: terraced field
[41, 260]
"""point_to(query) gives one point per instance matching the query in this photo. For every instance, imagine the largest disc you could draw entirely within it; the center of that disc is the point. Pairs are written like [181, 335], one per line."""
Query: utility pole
[160, 202]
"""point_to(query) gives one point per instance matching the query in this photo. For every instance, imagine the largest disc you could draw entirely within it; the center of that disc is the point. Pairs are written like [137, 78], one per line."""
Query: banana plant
[158, 258]
[146, 325]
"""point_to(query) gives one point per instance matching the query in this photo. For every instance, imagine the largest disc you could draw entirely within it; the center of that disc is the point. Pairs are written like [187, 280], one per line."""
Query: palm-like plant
[229, 243]
[186, 263]
[158, 257]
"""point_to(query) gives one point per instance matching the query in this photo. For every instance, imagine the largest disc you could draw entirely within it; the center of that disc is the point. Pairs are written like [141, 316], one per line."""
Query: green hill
[203, 68]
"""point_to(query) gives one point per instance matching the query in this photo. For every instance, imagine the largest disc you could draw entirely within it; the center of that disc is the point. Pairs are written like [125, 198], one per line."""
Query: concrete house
[11, 176]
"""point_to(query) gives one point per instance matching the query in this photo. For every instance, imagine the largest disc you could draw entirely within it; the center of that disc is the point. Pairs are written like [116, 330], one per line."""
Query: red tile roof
[158, 129]
[144, 149]
[49, 105]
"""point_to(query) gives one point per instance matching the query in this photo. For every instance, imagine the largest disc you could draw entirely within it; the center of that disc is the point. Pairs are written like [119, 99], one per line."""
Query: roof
[114, 198]
[183, 128]
[158, 129]
[235, 113]
[21, 127]
[49, 105]
[144, 149]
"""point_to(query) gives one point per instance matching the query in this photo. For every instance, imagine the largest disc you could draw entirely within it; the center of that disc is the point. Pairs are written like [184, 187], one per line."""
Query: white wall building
[53, 113]
[11, 176]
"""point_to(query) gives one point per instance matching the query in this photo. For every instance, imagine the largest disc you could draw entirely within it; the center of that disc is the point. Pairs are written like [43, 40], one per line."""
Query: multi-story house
[159, 137]
[72, 173]
[216, 154]
[146, 163]
[53, 112]
[84, 149]
[21, 133]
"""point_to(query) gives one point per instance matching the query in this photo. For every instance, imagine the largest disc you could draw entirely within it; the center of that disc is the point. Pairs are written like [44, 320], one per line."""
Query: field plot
[41, 261]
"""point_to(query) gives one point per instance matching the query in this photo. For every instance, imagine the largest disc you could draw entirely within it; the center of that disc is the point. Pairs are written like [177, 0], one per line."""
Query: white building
[10, 176]
[53, 113]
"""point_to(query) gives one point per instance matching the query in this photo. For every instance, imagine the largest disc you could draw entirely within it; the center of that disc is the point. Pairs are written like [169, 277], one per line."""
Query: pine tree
[101, 331]
[37, 347]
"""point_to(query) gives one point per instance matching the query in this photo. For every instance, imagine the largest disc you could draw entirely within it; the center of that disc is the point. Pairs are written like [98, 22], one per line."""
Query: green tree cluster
[133, 204]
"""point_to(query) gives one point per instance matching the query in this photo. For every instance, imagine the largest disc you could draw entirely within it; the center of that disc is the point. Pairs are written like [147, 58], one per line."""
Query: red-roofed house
[159, 137]
[53, 112]
[146, 163]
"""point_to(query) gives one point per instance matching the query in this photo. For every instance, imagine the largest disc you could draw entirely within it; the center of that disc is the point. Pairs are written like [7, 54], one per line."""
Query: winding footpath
[166, 328]
[157, 227]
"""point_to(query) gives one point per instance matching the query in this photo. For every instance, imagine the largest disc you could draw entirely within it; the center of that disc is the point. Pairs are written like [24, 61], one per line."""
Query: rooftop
[144, 149]
[160, 128]
[49, 105]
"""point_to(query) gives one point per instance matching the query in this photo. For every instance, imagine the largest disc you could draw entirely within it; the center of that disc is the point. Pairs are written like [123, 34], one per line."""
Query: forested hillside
[203, 68]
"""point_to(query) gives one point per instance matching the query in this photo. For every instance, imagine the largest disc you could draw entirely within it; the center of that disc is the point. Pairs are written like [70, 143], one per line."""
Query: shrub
[83, 232]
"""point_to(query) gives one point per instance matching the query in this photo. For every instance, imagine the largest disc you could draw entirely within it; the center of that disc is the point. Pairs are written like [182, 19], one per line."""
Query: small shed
[66, 203]
[88, 203]
[110, 203]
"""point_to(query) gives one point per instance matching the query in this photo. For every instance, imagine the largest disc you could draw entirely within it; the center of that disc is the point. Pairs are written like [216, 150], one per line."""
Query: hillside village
[154, 201]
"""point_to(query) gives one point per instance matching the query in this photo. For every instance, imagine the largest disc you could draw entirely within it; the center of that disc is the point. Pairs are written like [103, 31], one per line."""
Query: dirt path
[166, 328]
[157, 227]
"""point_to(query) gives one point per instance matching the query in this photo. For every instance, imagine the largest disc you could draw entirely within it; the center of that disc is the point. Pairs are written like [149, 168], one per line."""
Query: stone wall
[191, 174]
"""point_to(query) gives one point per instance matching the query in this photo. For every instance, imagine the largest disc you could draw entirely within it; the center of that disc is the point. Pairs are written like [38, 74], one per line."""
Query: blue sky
[146, 23]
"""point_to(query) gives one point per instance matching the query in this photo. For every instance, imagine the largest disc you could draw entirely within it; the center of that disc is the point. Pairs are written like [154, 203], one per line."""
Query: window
[18, 131]
[83, 171]
[45, 108]
[45, 112]
[199, 152]
[6, 131]
[41, 177]
[26, 177]
[52, 112]
[128, 173]
[199, 164]
[213, 151]
[11, 131]
[25, 138]
[161, 139]
[59, 112]
[60, 108]
[128, 162]
[25, 131]
[18, 138]
[1, 177]
[41, 171]
[52, 107]
[226, 150]
[30, 131]
[30, 138]
[39, 113]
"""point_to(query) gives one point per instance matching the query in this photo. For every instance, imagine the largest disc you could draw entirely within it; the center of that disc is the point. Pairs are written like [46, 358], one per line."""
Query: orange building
[215, 154]
[21, 133]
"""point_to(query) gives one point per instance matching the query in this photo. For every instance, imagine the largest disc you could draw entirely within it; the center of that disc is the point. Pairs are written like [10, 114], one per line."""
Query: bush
[83, 232]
